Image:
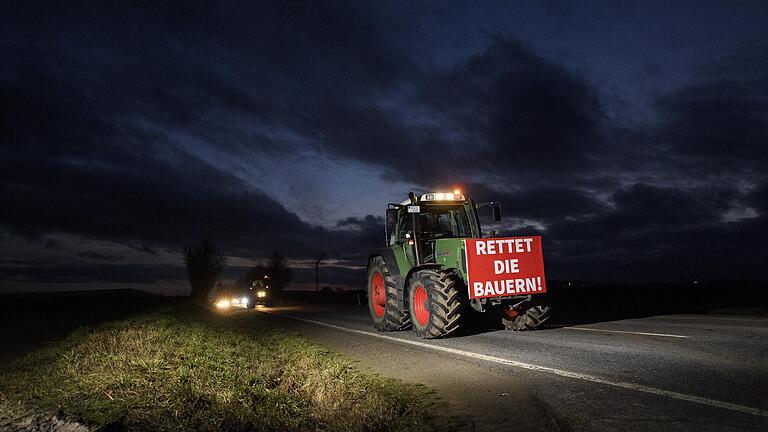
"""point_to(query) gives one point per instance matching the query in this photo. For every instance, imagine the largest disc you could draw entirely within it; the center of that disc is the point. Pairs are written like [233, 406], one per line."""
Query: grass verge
[185, 367]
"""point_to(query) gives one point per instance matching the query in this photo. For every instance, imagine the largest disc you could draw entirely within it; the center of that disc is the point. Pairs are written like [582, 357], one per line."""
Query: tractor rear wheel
[434, 303]
[382, 298]
[526, 319]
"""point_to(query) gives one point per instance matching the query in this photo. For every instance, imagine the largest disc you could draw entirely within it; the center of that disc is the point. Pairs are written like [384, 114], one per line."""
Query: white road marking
[711, 318]
[625, 332]
[560, 372]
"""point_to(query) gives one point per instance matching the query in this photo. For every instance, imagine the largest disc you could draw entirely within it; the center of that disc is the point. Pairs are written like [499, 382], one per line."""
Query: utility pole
[317, 271]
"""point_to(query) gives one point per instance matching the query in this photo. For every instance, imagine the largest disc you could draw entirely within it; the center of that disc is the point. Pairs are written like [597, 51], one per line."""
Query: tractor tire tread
[394, 318]
[530, 319]
[445, 304]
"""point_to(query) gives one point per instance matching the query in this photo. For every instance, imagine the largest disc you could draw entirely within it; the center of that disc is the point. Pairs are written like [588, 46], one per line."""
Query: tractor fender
[394, 270]
[389, 258]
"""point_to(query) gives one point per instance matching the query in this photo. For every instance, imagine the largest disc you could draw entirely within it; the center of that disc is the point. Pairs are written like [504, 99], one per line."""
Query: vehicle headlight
[222, 304]
[235, 301]
[261, 294]
[244, 300]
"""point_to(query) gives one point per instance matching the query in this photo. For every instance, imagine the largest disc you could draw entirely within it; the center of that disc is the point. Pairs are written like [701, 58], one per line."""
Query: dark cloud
[505, 114]
[543, 203]
[120, 123]
[721, 125]
[51, 244]
[143, 248]
[675, 196]
[98, 256]
[655, 233]
[91, 131]
[759, 198]
[91, 273]
[516, 113]
[280, 64]
[642, 205]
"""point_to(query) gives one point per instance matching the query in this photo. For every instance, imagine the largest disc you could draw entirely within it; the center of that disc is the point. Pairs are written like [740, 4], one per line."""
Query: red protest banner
[500, 267]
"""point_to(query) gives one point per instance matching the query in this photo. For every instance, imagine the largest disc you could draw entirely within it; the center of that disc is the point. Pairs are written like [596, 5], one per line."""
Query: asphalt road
[674, 372]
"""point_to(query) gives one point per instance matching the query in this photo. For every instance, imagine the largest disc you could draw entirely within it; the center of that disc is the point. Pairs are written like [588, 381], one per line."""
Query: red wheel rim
[378, 294]
[420, 305]
[511, 314]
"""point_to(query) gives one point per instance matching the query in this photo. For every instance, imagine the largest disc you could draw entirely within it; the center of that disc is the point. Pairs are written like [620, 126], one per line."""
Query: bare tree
[204, 264]
[279, 273]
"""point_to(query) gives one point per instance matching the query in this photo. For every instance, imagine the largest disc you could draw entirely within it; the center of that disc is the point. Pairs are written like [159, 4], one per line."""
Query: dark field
[30, 320]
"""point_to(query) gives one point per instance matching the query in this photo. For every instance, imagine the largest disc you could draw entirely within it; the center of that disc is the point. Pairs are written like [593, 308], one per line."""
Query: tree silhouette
[204, 264]
[279, 273]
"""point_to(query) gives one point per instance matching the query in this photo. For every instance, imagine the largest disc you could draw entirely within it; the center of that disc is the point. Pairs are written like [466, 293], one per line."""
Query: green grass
[185, 367]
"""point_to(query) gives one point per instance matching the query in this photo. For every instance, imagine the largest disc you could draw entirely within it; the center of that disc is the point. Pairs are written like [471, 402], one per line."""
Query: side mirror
[391, 216]
[496, 212]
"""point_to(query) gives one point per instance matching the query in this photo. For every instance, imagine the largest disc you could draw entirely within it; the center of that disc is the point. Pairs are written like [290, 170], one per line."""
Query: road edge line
[625, 332]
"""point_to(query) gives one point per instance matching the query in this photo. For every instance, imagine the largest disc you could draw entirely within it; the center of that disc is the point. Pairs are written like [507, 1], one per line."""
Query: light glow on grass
[187, 368]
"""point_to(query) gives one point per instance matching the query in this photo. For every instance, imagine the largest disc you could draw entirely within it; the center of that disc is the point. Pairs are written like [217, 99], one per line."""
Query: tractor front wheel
[434, 303]
[382, 298]
[525, 319]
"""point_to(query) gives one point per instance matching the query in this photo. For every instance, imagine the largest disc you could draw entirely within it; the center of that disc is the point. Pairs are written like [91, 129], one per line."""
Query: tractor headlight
[261, 294]
[235, 301]
[443, 196]
[222, 304]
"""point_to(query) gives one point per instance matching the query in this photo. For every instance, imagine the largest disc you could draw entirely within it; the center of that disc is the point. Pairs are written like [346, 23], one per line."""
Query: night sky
[632, 136]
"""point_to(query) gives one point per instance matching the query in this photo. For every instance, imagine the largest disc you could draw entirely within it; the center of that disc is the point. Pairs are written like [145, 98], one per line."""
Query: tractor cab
[420, 222]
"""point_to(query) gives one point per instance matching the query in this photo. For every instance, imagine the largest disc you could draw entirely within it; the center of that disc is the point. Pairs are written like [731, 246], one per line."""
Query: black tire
[529, 319]
[382, 305]
[442, 303]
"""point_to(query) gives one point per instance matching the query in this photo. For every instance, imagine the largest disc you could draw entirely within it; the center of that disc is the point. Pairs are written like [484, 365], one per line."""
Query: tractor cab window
[403, 226]
[444, 222]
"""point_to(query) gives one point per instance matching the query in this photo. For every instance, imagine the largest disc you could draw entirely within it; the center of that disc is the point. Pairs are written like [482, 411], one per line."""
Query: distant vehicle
[262, 293]
[436, 269]
[258, 293]
[227, 302]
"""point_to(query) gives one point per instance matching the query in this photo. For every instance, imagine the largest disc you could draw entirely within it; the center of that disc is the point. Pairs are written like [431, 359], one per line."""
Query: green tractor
[437, 269]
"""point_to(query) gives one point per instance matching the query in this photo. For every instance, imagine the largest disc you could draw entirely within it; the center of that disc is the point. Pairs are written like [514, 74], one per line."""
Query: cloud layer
[134, 125]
